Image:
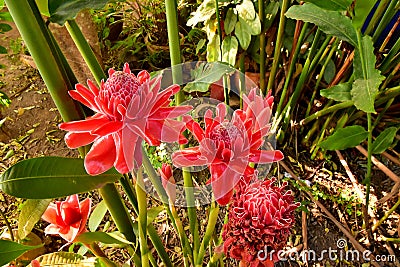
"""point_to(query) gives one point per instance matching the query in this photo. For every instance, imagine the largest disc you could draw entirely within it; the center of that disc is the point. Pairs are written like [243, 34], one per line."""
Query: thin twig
[381, 166]
[304, 233]
[351, 238]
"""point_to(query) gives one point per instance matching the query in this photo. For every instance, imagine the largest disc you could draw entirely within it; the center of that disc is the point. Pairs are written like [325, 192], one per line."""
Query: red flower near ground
[168, 181]
[67, 218]
[259, 221]
[129, 109]
[228, 146]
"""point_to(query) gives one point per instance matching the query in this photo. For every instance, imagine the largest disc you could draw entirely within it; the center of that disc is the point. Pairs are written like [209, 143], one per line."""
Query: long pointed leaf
[10, 250]
[384, 140]
[330, 22]
[31, 213]
[51, 177]
[347, 137]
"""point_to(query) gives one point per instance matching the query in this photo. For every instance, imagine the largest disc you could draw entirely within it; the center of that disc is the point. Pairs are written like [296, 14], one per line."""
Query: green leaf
[243, 35]
[206, 74]
[203, 13]
[229, 50]
[4, 27]
[246, 10]
[10, 250]
[330, 71]
[335, 5]
[330, 22]
[97, 216]
[31, 212]
[367, 77]
[213, 49]
[384, 140]
[253, 26]
[343, 138]
[105, 238]
[361, 10]
[230, 21]
[153, 212]
[6, 16]
[340, 92]
[200, 45]
[62, 10]
[51, 177]
[63, 258]
[3, 50]
[43, 6]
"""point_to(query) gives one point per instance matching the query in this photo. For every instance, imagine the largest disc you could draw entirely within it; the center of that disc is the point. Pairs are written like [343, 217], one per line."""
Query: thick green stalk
[142, 217]
[85, 50]
[390, 11]
[44, 55]
[377, 15]
[151, 231]
[278, 46]
[367, 180]
[261, 15]
[212, 220]
[118, 211]
[242, 87]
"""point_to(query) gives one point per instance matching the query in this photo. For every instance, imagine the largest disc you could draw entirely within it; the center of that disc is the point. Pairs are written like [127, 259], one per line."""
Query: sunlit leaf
[340, 92]
[106, 238]
[51, 177]
[229, 50]
[213, 49]
[361, 10]
[246, 10]
[384, 140]
[203, 13]
[64, 258]
[31, 212]
[253, 26]
[330, 22]
[243, 35]
[367, 77]
[230, 21]
[10, 250]
[97, 216]
[343, 138]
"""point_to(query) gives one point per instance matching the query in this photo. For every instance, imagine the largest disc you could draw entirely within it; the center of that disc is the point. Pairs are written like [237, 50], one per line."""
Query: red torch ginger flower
[259, 221]
[128, 109]
[228, 147]
[168, 181]
[67, 218]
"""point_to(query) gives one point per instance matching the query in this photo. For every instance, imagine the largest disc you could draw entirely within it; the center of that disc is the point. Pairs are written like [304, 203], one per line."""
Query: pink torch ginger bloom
[228, 147]
[259, 221]
[67, 218]
[168, 181]
[129, 109]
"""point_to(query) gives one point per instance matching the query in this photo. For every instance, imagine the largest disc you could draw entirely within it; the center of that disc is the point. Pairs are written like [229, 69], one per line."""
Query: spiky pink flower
[260, 218]
[228, 146]
[67, 218]
[129, 109]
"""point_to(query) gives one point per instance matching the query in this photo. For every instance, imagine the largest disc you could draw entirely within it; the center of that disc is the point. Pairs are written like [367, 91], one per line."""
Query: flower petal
[75, 140]
[264, 156]
[101, 156]
[50, 215]
[188, 157]
[87, 125]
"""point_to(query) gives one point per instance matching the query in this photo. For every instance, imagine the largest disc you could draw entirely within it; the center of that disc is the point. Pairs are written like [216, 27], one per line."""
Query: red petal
[263, 156]
[170, 112]
[108, 128]
[95, 90]
[188, 157]
[101, 156]
[50, 215]
[75, 140]
[85, 207]
[86, 125]
[78, 97]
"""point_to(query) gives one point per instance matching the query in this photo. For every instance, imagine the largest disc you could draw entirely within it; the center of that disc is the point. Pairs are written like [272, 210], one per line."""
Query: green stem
[27, 18]
[261, 15]
[118, 211]
[377, 15]
[369, 160]
[10, 230]
[151, 231]
[326, 111]
[389, 13]
[212, 220]
[278, 46]
[242, 87]
[85, 50]
[387, 214]
[292, 67]
[142, 217]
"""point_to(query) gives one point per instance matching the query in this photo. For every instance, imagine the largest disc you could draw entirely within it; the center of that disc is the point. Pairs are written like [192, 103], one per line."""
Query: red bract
[228, 146]
[129, 109]
[67, 218]
[259, 221]
[168, 181]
